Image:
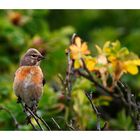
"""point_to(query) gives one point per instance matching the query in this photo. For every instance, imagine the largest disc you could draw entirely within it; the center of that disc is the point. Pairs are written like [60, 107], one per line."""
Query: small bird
[29, 81]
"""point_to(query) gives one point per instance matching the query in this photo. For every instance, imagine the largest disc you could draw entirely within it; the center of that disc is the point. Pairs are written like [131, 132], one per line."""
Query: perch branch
[28, 116]
[36, 118]
[44, 122]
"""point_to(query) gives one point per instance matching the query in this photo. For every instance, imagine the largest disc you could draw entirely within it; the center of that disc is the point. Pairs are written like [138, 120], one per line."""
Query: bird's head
[31, 58]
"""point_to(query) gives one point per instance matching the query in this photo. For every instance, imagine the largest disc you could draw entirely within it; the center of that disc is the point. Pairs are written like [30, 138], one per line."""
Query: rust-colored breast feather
[35, 72]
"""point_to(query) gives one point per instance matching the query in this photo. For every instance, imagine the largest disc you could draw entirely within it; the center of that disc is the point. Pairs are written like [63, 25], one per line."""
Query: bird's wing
[44, 81]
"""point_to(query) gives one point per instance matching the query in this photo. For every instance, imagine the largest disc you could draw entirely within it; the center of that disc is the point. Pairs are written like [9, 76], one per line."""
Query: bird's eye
[33, 55]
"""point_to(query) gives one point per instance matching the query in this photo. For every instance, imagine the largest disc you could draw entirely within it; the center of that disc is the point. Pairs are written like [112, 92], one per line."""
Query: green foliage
[123, 122]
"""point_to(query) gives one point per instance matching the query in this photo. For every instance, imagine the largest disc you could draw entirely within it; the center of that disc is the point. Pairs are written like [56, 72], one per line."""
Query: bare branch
[67, 82]
[70, 126]
[36, 119]
[30, 114]
[130, 103]
[44, 122]
[56, 123]
[98, 114]
[105, 127]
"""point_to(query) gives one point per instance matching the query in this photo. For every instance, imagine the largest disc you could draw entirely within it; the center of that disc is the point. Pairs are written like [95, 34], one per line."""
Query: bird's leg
[34, 107]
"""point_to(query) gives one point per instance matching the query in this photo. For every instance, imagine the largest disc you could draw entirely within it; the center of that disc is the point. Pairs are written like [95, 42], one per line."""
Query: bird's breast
[29, 75]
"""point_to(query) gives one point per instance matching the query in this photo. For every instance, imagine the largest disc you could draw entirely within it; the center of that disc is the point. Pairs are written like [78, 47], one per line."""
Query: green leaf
[123, 52]
[131, 56]
[116, 46]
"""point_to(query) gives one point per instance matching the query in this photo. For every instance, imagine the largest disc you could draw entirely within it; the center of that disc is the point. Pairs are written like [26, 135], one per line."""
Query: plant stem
[95, 110]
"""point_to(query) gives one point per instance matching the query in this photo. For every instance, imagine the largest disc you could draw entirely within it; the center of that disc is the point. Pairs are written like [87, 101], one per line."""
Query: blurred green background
[49, 31]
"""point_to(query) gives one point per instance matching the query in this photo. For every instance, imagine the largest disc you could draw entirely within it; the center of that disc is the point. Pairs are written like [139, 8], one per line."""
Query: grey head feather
[31, 58]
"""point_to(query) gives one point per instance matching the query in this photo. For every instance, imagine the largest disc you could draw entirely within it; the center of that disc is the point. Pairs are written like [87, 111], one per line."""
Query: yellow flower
[78, 49]
[121, 59]
[78, 64]
[112, 58]
[131, 66]
[119, 67]
[89, 62]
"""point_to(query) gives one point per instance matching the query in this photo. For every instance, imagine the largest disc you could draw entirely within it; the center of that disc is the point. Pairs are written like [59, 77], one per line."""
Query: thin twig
[130, 103]
[70, 126]
[67, 124]
[95, 110]
[121, 95]
[68, 75]
[30, 122]
[130, 96]
[28, 116]
[43, 121]
[32, 125]
[105, 126]
[56, 123]
[35, 117]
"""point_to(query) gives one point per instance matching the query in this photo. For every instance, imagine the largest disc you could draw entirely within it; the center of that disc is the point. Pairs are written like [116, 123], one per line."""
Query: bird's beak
[40, 57]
